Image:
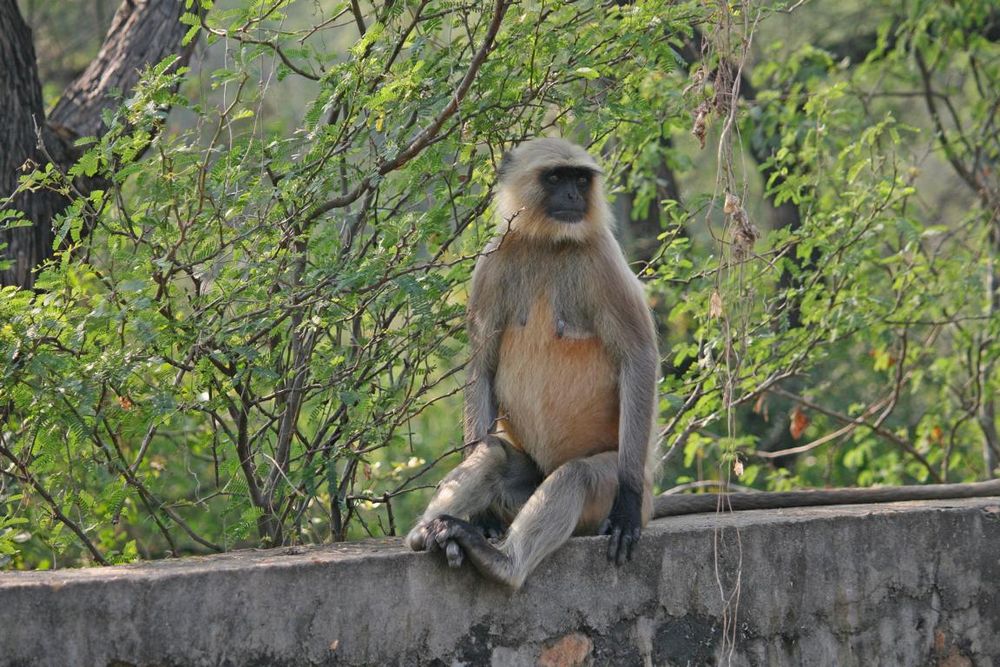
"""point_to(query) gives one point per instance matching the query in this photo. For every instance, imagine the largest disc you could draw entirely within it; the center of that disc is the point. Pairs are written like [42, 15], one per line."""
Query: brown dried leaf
[715, 305]
[799, 422]
[760, 407]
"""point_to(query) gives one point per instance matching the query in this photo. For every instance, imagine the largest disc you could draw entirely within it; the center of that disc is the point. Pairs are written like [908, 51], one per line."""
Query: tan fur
[559, 395]
[518, 203]
[561, 383]
[598, 504]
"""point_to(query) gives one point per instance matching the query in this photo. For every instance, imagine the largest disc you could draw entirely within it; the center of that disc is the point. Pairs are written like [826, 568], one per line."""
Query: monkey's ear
[506, 164]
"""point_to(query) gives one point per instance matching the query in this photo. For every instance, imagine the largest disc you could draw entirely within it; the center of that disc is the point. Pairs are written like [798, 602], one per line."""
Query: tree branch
[26, 475]
[874, 427]
[142, 33]
[429, 133]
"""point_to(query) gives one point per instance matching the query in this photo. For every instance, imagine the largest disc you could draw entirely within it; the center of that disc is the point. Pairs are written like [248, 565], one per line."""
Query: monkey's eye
[552, 178]
[582, 180]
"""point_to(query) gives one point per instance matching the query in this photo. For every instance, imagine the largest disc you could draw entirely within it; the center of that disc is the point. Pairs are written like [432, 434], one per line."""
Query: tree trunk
[142, 33]
[21, 111]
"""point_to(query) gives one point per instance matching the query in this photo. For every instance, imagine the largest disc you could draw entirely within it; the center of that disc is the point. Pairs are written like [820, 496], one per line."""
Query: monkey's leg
[468, 489]
[494, 481]
[519, 480]
[576, 496]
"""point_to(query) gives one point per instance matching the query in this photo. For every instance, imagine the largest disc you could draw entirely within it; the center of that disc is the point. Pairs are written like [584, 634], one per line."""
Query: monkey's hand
[624, 525]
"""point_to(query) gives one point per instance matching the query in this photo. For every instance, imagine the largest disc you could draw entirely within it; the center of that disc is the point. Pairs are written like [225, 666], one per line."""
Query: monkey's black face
[567, 191]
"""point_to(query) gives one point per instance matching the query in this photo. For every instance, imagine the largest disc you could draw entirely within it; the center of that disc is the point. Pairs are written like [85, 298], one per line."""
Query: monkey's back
[556, 386]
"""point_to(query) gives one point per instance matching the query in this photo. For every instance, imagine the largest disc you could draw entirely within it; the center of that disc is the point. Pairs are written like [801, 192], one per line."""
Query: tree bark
[142, 33]
[21, 111]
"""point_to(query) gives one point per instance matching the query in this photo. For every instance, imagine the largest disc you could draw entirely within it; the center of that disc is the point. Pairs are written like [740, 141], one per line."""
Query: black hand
[624, 525]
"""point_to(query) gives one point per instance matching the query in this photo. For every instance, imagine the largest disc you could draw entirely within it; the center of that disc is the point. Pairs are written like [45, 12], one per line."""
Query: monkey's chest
[557, 387]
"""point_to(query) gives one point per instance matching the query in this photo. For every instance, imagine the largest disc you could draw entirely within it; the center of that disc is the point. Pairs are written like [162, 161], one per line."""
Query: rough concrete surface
[901, 584]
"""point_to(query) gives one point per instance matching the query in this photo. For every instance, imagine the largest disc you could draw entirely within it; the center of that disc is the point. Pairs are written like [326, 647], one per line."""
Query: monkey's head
[552, 189]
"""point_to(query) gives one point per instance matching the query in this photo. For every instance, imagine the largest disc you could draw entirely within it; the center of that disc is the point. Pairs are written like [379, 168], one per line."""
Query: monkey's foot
[490, 561]
[421, 538]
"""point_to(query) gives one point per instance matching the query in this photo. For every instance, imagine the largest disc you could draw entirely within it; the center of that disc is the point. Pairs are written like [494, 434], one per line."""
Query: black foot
[490, 561]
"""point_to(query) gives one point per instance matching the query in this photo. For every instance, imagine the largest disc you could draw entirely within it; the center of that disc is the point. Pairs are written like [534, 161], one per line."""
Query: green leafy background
[252, 333]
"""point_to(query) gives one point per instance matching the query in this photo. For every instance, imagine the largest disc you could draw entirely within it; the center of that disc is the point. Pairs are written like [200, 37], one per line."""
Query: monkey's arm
[484, 345]
[672, 505]
[465, 490]
[480, 401]
[631, 325]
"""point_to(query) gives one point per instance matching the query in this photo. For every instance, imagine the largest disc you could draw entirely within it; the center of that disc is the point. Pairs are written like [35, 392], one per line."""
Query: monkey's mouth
[566, 215]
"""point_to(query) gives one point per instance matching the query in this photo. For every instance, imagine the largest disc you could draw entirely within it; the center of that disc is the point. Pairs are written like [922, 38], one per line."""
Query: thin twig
[27, 476]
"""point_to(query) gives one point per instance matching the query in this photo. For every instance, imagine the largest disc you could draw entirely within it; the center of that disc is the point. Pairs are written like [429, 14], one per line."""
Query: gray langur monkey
[561, 384]
[561, 388]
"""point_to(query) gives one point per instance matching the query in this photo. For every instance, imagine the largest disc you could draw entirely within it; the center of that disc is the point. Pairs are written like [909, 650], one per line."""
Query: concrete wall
[903, 584]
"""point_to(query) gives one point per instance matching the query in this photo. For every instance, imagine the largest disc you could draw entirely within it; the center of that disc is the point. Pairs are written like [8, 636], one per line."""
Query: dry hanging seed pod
[700, 122]
[745, 234]
[732, 204]
[697, 80]
[715, 305]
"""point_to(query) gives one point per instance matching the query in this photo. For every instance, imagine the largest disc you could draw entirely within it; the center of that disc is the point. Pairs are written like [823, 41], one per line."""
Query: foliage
[252, 334]
[239, 324]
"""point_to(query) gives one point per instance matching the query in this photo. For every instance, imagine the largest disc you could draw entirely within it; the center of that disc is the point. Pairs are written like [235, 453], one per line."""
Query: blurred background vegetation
[247, 328]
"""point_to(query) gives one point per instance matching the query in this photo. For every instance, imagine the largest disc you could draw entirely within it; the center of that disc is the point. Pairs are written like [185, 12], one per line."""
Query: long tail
[672, 505]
